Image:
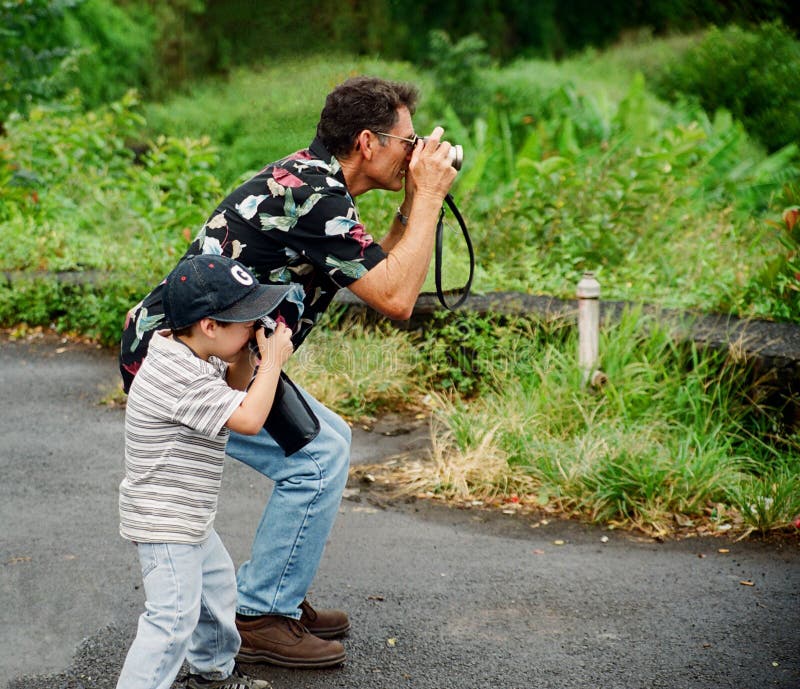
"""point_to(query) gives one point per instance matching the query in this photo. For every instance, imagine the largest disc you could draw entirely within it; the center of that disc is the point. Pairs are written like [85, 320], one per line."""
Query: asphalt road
[439, 598]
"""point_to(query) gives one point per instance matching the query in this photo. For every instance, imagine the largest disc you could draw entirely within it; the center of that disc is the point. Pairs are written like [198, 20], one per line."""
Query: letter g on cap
[242, 276]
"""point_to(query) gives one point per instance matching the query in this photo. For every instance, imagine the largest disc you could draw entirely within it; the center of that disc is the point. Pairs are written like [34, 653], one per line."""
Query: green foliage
[769, 498]
[76, 200]
[754, 74]
[467, 354]
[577, 186]
[94, 309]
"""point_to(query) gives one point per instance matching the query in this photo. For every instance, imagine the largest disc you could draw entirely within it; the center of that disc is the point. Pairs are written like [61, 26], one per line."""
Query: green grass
[668, 443]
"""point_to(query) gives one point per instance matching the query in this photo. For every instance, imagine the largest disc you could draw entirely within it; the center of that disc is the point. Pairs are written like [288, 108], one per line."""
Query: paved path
[439, 598]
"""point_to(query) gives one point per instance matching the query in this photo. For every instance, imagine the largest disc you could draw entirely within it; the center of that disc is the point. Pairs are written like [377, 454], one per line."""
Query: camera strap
[464, 291]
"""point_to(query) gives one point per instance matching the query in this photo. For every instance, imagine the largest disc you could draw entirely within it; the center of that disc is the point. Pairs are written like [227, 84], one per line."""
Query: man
[296, 222]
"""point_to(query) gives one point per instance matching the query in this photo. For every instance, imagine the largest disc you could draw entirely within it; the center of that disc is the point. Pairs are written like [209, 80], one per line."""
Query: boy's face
[231, 339]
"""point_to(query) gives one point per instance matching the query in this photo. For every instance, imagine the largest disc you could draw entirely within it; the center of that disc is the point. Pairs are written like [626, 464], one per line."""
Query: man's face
[390, 159]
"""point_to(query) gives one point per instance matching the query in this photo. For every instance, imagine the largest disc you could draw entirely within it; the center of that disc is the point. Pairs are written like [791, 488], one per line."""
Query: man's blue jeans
[297, 520]
[190, 614]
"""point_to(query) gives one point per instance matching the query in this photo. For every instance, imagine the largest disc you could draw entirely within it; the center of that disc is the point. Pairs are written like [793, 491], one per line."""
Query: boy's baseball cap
[215, 286]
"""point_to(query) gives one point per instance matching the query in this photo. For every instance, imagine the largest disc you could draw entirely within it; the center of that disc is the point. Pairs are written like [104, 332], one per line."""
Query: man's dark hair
[362, 103]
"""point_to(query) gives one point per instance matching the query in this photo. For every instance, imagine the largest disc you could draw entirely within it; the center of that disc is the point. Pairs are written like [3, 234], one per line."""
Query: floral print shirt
[292, 223]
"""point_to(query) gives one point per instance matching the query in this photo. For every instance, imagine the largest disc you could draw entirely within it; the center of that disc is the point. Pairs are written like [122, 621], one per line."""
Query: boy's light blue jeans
[297, 520]
[190, 614]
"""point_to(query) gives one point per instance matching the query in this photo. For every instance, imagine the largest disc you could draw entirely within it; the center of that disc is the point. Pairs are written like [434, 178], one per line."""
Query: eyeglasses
[410, 143]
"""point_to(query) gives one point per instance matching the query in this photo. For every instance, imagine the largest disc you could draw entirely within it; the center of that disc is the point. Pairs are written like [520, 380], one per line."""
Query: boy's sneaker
[236, 680]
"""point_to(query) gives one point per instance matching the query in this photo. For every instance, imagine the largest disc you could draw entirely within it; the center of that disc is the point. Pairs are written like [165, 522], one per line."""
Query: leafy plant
[776, 290]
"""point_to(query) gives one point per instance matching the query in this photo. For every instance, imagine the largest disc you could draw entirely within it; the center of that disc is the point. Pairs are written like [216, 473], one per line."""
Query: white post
[588, 326]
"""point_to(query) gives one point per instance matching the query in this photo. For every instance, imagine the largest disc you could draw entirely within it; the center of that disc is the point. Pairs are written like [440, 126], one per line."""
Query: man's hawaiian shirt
[294, 222]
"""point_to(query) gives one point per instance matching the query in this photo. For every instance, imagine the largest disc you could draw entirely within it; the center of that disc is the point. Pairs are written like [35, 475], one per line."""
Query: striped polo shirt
[174, 445]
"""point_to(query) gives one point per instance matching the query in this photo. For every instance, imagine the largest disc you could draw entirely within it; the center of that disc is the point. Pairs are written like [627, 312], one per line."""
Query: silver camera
[456, 154]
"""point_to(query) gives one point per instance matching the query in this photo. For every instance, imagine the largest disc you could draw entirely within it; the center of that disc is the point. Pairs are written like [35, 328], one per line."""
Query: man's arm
[396, 229]
[392, 286]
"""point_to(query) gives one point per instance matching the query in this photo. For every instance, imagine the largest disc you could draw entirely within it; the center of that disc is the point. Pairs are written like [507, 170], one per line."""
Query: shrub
[113, 52]
[755, 74]
[49, 48]
[30, 53]
[456, 69]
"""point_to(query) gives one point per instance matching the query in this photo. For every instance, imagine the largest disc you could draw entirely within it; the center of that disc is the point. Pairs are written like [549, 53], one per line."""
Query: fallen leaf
[391, 642]
[375, 598]
[723, 550]
[746, 582]
[19, 558]
[559, 542]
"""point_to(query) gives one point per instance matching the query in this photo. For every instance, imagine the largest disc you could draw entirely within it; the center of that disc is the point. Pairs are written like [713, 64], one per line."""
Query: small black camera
[267, 323]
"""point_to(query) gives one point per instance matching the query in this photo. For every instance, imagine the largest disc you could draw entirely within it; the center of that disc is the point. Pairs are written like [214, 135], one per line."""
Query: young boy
[191, 389]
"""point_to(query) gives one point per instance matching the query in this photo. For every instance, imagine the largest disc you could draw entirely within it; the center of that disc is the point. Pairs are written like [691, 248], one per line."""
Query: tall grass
[670, 441]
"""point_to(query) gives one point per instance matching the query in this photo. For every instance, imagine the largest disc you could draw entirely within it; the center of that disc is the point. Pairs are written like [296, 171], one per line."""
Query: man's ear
[365, 141]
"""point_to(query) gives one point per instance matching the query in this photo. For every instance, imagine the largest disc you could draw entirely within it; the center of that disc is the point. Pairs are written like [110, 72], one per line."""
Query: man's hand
[430, 171]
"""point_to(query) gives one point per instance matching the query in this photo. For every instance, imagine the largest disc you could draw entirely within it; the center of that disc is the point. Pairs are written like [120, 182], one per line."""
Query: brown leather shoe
[324, 623]
[286, 642]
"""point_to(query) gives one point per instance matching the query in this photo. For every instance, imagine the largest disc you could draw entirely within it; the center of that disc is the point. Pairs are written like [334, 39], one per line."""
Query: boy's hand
[275, 349]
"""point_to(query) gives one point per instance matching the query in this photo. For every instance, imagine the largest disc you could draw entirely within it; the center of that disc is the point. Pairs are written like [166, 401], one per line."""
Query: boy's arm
[240, 370]
[275, 350]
